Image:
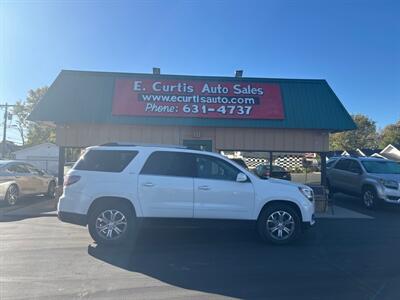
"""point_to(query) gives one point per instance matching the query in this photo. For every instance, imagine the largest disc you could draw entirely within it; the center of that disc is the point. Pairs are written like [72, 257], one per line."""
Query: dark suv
[375, 180]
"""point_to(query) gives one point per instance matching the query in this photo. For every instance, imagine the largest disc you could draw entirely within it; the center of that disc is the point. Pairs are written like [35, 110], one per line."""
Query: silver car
[19, 179]
[376, 180]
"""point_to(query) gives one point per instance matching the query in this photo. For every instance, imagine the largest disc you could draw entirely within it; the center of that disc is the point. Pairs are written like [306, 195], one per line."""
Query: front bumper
[73, 218]
[389, 195]
[391, 199]
[307, 225]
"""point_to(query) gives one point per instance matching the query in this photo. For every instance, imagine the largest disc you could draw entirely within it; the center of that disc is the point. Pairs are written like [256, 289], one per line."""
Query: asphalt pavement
[42, 258]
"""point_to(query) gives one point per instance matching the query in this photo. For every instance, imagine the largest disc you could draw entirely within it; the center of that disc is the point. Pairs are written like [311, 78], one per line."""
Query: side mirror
[241, 177]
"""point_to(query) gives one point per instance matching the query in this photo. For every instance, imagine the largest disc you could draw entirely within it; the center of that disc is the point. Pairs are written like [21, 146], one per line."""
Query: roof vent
[239, 73]
[156, 71]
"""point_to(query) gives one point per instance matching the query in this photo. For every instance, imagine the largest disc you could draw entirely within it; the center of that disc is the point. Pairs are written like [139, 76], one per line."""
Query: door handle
[204, 187]
[148, 184]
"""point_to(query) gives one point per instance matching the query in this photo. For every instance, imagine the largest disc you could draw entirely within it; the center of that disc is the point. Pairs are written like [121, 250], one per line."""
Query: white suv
[113, 186]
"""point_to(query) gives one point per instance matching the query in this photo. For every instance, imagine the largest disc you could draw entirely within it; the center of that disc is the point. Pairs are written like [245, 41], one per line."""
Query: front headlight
[307, 192]
[390, 184]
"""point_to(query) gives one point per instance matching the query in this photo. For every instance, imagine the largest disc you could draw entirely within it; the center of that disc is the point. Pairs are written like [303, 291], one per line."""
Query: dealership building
[202, 112]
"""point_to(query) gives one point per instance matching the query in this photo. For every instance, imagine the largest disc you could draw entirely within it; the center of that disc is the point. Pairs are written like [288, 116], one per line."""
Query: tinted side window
[278, 169]
[105, 160]
[12, 169]
[32, 169]
[17, 169]
[165, 163]
[215, 168]
[330, 163]
[343, 164]
[354, 167]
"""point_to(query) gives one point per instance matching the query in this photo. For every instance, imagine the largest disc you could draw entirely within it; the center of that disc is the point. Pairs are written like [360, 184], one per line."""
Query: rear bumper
[73, 218]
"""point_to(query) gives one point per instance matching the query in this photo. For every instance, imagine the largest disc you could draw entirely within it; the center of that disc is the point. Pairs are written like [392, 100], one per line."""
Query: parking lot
[338, 259]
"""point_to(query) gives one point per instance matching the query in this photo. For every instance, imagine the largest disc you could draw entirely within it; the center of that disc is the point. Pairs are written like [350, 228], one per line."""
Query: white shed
[43, 156]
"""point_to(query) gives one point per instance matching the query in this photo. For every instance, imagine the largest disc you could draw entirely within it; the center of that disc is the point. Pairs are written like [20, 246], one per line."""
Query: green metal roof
[86, 97]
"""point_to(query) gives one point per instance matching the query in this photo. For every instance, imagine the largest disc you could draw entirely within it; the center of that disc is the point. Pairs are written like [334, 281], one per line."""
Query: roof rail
[116, 144]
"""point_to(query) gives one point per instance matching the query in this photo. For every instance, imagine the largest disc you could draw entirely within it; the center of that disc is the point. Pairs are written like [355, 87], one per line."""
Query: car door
[348, 174]
[354, 178]
[337, 174]
[165, 185]
[38, 181]
[21, 176]
[217, 194]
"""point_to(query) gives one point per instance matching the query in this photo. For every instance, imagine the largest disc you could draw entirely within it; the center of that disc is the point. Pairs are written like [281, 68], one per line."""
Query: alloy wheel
[12, 195]
[280, 225]
[368, 198]
[111, 224]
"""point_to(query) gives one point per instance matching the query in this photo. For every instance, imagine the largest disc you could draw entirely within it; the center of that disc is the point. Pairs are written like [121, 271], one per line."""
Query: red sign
[197, 98]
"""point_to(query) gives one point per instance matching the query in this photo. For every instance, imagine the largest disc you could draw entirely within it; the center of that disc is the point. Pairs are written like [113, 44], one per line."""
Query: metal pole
[5, 131]
[322, 155]
[270, 162]
[61, 164]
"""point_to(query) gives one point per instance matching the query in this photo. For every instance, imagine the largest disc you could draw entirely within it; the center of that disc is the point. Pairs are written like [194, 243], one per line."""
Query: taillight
[71, 179]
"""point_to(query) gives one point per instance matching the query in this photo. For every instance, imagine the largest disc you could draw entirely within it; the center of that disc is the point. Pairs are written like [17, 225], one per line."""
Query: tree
[365, 136]
[390, 134]
[21, 114]
[32, 133]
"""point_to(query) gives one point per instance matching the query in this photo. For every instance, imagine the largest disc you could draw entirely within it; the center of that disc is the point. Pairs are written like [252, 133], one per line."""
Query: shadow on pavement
[231, 262]
[213, 261]
[29, 207]
[338, 259]
[355, 203]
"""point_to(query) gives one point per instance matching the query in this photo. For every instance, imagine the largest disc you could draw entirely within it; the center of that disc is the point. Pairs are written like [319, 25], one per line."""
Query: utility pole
[4, 148]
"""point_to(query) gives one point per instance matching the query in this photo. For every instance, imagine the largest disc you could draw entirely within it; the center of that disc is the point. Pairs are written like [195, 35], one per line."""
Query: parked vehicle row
[375, 180]
[19, 179]
[111, 188]
[264, 171]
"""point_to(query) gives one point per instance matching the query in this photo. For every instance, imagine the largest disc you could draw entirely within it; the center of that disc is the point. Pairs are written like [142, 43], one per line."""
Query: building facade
[201, 112]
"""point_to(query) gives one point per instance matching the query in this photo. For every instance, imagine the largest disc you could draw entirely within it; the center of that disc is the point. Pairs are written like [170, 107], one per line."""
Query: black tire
[51, 190]
[12, 194]
[123, 211]
[269, 230]
[370, 198]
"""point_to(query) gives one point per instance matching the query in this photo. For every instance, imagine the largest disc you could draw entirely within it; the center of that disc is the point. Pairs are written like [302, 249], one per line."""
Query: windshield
[382, 167]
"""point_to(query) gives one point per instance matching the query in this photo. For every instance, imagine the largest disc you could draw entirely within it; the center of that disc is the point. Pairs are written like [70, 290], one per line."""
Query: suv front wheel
[279, 224]
[111, 224]
[370, 198]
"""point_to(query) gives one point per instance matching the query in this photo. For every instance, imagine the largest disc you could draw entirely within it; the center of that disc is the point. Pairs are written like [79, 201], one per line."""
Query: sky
[354, 45]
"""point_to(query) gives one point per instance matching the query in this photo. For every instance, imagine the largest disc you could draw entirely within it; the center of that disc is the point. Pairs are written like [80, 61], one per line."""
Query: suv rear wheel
[111, 224]
[279, 224]
[51, 190]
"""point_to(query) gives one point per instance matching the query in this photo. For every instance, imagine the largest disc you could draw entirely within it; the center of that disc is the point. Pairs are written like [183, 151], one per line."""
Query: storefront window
[294, 166]
[303, 167]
